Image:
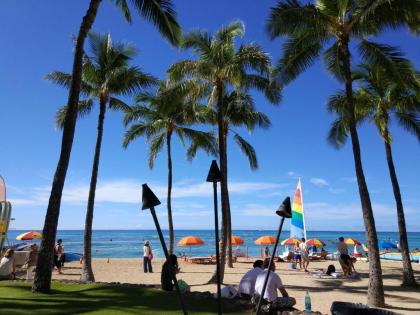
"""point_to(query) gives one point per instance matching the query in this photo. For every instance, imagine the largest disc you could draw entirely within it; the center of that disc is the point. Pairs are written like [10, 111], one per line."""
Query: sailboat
[297, 225]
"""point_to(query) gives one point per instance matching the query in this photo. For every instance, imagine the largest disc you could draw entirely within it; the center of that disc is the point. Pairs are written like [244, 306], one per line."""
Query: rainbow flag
[297, 225]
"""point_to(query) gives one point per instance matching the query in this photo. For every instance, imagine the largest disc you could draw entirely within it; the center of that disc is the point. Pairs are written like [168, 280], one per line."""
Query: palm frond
[332, 60]
[248, 150]
[128, 81]
[135, 131]
[387, 57]
[163, 16]
[199, 41]
[226, 33]
[338, 134]
[156, 145]
[83, 109]
[291, 17]
[122, 4]
[118, 105]
[299, 53]
[199, 140]
[410, 121]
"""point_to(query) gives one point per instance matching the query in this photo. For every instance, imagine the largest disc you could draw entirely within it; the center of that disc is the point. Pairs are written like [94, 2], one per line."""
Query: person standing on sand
[147, 257]
[304, 254]
[266, 252]
[344, 259]
[297, 255]
[59, 255]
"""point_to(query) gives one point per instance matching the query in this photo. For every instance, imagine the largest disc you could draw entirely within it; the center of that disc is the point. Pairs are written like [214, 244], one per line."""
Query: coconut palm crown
[106, 74]
[158, 116]
[328, 27]
[381, 98]
[220, 68]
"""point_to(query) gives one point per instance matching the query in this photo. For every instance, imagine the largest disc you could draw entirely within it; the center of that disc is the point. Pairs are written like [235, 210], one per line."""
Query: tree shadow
[75, 299]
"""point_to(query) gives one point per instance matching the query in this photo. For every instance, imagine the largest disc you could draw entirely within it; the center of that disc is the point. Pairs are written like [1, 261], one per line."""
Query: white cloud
[291, 173]
[129, 191]
[319, 182]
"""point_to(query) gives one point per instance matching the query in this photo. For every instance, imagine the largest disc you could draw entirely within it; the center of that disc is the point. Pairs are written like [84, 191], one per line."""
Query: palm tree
[381, 96]
[105, 75]
[162, 15]
[221, 68]
[161, 115]
[310, 28]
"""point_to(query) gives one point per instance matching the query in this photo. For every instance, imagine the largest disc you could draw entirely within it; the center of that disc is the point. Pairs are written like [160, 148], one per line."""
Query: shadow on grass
[16, 299]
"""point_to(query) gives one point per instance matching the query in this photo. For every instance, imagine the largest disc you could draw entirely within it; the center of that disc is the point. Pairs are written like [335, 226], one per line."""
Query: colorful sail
[297, 225]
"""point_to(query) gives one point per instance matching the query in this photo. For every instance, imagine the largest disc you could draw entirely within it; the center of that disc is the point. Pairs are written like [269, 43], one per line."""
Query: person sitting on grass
[247, 283]
[169, 269]
[274, 283]
[8, 266]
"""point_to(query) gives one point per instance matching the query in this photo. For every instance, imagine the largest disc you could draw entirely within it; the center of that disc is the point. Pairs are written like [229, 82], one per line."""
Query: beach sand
[323, 291]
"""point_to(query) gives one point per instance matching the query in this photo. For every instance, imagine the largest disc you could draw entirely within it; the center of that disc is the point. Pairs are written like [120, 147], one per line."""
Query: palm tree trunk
[228, 214]
[408, 274]
[42, 280]
[223, 184]
[170, 222]
[375, 288]
[87, 272]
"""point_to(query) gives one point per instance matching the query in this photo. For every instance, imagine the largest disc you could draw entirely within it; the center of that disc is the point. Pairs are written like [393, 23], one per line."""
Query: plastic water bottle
[308, 307]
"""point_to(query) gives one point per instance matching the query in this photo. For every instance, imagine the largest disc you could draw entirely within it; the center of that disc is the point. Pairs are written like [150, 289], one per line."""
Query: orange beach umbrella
[31, 235]
[266, 240]
[352, 241]
[315, 242]
[190, 241]
[291, 241]
[236, 240]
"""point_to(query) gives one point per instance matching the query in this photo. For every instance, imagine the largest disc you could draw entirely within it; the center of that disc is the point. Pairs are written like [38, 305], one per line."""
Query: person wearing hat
[147, 257]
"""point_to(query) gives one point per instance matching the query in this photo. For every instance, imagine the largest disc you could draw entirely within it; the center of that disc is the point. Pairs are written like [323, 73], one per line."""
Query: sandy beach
[323, 290]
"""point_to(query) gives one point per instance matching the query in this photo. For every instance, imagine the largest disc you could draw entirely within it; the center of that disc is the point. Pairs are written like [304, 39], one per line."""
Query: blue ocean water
[129, 243]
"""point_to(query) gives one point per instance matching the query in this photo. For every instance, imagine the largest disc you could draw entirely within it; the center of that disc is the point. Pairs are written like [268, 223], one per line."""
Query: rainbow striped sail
[297, 225]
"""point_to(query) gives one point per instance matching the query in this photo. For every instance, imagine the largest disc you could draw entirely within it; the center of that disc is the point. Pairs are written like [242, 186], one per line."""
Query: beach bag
[150, 255]
[330, 270]
[183, 286]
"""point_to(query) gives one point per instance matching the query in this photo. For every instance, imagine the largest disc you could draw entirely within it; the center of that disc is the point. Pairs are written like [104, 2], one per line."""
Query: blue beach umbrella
[387, 245]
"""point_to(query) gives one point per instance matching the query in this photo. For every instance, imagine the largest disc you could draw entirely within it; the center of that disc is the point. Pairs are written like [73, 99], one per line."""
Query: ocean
[129, 243]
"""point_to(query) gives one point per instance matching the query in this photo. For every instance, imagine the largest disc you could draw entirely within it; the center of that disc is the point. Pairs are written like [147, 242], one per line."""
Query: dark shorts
[297, 256]
[345, 258]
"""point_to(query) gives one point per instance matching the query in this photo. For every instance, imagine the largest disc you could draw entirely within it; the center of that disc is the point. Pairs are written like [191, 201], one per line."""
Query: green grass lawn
[16, 298]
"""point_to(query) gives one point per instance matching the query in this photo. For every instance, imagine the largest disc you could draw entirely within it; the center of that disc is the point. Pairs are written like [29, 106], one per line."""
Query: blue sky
[38, 39]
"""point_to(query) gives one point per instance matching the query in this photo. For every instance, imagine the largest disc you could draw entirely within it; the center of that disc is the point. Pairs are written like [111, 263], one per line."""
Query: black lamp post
[215, 176]
[149, 201]
[284, 211]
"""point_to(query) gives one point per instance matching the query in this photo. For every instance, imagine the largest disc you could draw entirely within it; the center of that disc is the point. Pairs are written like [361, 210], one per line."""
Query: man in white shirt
[247, 284]
[305, 254]
[274, 283]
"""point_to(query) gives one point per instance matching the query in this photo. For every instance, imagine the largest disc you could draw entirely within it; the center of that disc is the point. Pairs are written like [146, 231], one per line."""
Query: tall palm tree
[106, 74]
[161, 115]
[162, 15]
[310, 28]
[221, 68]
[380, 97]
